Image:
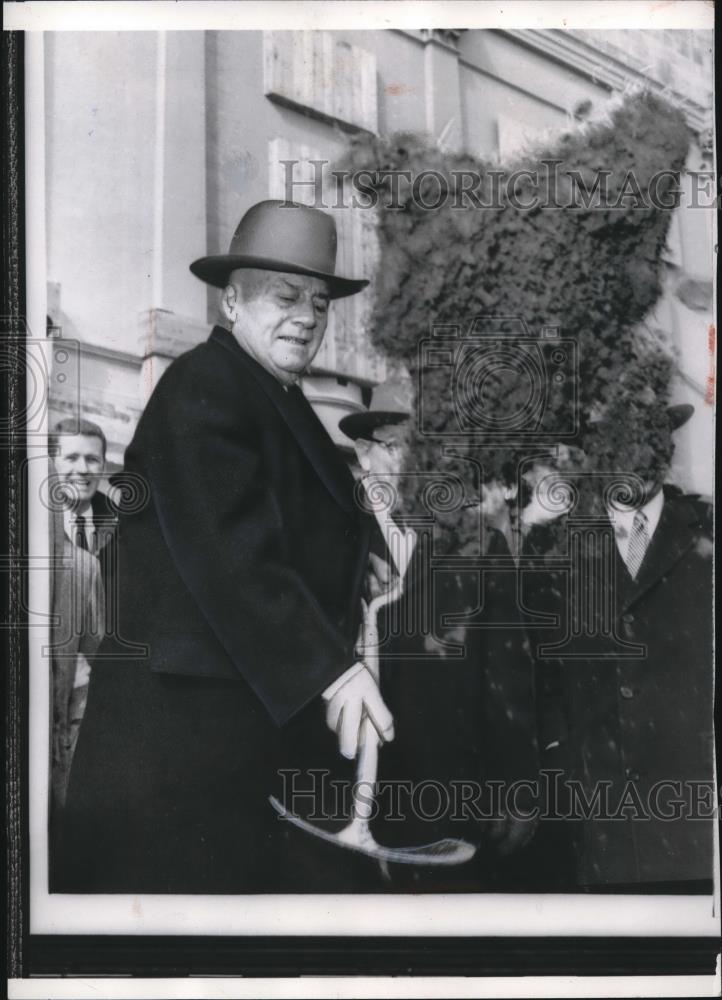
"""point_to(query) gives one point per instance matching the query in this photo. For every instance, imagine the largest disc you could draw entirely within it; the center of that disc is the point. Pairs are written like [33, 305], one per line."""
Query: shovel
[357, 836]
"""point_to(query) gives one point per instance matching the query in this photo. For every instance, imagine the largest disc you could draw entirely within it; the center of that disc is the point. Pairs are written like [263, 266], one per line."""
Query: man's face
[383, 455]
[80, 464]
[278, 318]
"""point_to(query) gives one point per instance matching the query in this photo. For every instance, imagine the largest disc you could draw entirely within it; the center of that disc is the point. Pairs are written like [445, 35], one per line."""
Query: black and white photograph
[366, 541]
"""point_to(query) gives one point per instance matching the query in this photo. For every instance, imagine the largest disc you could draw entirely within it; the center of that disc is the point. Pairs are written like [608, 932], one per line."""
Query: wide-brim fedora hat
[390, 404]
[281, 236]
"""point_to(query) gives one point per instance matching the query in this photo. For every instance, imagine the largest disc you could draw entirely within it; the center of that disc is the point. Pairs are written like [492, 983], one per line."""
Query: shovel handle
[369, 739]
[366, 771]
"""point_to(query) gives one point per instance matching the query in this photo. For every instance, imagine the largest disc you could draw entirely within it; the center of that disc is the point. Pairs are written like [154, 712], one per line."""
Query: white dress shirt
[399, 541]
[623, 518]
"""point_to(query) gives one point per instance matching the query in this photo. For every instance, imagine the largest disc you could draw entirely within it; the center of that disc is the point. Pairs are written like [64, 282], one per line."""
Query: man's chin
[292, 371]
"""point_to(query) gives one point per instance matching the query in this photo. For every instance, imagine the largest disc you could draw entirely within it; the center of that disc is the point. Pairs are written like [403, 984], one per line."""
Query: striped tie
[638, 542]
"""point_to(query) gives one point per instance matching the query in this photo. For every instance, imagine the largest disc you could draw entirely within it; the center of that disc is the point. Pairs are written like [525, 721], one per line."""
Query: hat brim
[360, 425]
[217, 269]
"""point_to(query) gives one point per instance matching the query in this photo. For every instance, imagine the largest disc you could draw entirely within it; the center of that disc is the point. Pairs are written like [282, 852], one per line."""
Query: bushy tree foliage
[590, 270]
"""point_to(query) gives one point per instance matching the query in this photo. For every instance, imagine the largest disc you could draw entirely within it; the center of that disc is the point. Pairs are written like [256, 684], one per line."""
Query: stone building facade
[157, 142]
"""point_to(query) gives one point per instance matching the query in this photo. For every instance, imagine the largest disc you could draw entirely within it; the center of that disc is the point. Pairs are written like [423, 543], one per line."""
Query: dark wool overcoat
[457, 675]
[240, 578]
[634, 717]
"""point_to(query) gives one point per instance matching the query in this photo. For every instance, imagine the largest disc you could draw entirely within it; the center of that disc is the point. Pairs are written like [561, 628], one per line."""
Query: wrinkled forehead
[256, 281]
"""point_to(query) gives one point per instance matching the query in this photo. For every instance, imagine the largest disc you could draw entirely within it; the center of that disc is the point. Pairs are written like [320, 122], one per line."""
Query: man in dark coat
[457, 675]
[241, 573]
[635, 720]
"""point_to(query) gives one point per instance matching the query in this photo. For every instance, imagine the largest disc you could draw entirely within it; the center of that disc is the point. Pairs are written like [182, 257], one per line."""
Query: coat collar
[103, 511]
[303, 423]
[674, 536]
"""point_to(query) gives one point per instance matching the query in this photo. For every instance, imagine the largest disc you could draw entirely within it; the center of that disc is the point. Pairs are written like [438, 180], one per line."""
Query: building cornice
[599, 67]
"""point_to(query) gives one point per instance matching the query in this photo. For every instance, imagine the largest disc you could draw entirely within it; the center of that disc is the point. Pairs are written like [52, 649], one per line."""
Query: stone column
[179, 195]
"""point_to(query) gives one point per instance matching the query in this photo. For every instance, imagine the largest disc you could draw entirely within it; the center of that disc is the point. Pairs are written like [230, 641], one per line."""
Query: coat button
[631, 774]
[626, 692]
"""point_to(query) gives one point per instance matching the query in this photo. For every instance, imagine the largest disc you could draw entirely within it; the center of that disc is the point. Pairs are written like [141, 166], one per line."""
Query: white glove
[352, 697]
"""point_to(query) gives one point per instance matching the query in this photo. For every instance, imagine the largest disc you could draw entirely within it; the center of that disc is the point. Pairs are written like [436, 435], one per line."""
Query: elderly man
[461, 695]
[243, 577]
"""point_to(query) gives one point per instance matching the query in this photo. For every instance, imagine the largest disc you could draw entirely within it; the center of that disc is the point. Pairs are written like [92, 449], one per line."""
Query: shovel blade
[448, 851]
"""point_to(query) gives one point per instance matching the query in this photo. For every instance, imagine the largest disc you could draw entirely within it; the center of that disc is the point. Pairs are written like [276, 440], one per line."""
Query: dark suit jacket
[105, 522]
[639, 713]
[242, 577]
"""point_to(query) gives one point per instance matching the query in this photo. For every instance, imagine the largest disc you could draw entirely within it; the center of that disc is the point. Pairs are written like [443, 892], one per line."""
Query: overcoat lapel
[670, 541]
[302, 421]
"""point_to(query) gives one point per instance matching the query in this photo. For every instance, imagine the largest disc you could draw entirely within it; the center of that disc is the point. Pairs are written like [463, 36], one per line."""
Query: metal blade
[448, 851]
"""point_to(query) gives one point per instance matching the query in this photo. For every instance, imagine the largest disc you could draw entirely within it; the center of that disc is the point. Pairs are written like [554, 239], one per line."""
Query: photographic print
[369, 470]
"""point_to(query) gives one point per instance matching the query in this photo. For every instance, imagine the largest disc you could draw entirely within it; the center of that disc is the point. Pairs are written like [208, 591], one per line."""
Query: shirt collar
[73, 519]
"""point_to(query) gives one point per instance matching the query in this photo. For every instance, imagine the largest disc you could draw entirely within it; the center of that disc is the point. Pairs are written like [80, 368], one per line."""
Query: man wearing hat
[241, 585]
[461, 698]
[638, 730]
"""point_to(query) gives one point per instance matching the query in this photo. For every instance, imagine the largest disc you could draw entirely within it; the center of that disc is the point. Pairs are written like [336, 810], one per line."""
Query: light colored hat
[281, 236]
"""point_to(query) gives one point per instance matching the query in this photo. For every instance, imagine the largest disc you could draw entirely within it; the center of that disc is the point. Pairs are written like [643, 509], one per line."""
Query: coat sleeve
[222, 525]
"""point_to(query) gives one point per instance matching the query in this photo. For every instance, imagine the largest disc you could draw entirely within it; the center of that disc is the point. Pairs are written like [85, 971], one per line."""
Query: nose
[305, 315]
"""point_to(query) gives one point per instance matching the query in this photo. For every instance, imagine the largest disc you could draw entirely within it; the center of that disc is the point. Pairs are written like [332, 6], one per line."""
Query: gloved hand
[352, 697]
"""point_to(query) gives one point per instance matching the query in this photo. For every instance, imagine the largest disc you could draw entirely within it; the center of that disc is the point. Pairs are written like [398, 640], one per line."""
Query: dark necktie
[79, 536]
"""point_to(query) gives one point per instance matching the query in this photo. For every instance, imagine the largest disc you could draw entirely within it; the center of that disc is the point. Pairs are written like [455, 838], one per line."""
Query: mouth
[297, 341]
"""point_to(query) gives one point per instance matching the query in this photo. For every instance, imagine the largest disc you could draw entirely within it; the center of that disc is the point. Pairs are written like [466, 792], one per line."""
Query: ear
[361, 447]
[229, 303]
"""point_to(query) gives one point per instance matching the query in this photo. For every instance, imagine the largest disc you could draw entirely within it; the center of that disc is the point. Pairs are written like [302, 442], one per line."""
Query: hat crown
[284, 230]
